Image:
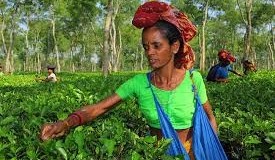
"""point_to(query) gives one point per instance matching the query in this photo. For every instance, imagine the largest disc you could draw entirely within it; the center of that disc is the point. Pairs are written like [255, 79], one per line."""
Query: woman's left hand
[53, 130]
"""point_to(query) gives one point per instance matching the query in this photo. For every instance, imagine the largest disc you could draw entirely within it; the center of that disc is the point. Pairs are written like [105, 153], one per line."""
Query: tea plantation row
[244, 108]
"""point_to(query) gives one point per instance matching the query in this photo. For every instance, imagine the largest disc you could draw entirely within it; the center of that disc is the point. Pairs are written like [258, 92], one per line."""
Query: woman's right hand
[53, 130]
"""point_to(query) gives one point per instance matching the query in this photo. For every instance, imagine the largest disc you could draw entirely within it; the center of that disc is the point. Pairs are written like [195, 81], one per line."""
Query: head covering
[151, 12]
[51, 67]
[225, 55]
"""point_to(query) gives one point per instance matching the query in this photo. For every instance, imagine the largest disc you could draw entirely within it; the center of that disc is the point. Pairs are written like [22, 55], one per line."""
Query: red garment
[151, 12]
[226, 55]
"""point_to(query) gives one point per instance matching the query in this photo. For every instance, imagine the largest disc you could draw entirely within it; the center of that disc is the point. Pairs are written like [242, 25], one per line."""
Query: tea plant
[244, 108]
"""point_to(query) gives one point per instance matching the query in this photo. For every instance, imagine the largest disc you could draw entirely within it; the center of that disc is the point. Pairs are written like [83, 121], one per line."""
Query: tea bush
[244, 108]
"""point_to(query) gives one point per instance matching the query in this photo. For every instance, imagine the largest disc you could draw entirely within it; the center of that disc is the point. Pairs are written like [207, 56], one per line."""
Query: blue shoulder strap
[197, 98]
[176, 147]
[205, 142]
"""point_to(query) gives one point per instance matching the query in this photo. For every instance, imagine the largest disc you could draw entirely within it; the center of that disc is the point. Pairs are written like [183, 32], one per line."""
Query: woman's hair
[52, 69]
[172, 34]
[224, 63]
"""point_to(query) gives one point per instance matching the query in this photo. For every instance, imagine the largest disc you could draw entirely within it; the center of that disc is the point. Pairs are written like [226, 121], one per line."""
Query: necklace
[174, 82]
[171, 88]
[167, 100]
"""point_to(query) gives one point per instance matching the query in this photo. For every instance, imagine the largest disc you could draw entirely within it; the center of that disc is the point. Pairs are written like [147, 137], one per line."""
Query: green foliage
[25, 105]
[263, 14]
[79, 31]
[244, 109]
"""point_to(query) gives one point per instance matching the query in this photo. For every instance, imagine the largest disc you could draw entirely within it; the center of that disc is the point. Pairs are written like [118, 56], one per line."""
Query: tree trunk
[4, 45]
[37, 53]
[83, 57]
[9, 50]
[113, 45]
[271, 56]
[203, 46]
[119, 50]
[116, 46]
[268, 62]
[141, 60]
[248, 5]
[38, 63]
[58, 67]
[106, 45]
[7, 63]
[136, 62]
[9, 58]
[27, 47]
[248, 27]
[272, 45]
[71, 59]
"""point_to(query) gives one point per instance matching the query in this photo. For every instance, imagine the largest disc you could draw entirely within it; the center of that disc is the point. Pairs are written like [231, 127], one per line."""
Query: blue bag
[176, 148]
[205, 142]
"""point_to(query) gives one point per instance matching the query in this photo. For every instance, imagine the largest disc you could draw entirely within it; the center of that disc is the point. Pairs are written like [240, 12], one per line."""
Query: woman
[164, 37]
[220, 71]
[51, 75]
[248, 67]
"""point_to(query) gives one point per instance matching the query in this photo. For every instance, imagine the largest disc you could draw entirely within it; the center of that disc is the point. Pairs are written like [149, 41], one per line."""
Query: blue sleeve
[221, 73]
[229, 68]
[218, 73]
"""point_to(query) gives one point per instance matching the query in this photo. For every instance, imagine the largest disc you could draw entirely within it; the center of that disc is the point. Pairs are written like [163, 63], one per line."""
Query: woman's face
[50, 71]
[157, 48]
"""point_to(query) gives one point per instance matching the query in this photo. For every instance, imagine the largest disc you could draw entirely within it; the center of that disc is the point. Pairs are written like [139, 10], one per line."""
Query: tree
[106, 45]
[205, 15]
[9, 14]
[247, 20]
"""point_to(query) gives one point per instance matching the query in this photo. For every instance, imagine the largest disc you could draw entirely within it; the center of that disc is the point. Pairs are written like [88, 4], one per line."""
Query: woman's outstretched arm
[79, 117]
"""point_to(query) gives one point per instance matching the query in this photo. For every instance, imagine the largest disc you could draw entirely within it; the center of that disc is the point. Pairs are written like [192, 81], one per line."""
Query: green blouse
[178, 104]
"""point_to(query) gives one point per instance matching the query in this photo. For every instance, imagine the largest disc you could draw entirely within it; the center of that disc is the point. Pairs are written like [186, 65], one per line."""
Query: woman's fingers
[47, 131]
[58, 134]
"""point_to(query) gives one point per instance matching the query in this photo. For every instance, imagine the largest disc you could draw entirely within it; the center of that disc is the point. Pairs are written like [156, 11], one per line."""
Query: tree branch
[241, 13]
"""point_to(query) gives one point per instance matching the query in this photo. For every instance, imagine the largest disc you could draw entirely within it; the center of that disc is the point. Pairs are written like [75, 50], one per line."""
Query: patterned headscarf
[151, 12]
[225, 55]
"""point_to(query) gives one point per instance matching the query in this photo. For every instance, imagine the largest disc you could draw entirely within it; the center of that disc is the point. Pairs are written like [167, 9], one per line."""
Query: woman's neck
[164, 75]
[167, 77]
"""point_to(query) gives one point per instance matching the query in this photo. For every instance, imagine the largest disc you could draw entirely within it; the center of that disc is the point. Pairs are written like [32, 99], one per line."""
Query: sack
[211, 76]
[205, 142]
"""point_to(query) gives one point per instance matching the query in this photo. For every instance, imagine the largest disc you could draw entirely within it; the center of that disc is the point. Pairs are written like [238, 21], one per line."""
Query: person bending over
[220, 71]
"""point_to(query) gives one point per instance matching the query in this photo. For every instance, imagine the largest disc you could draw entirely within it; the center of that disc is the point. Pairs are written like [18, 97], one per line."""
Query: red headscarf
[151, 12]
[225, 55]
